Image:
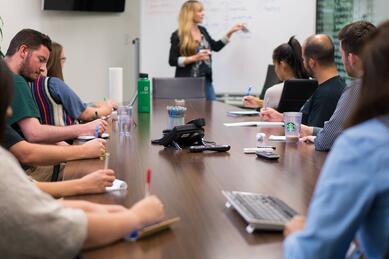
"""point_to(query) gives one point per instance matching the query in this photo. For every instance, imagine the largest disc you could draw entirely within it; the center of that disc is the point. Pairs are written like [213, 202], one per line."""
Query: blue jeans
[209, 91]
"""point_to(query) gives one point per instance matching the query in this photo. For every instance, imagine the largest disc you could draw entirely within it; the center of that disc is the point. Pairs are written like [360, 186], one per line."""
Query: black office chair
[271, 79]
[179, 88]
[295, 94]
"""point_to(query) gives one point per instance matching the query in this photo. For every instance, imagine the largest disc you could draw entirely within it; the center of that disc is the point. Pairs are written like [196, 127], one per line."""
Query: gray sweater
[32, 223]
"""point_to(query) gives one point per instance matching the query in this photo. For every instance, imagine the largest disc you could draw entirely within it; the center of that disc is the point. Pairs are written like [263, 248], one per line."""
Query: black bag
[190, 134]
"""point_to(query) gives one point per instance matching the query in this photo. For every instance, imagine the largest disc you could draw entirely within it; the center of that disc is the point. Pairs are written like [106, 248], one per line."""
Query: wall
[92, 41]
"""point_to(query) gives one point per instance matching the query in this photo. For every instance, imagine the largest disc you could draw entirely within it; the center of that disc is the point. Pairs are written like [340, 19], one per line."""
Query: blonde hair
[188, 44]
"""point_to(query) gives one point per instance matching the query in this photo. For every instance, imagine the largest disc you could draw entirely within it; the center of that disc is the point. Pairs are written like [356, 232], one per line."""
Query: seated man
[58, 104]
[319, 61]
[352, 38]
[351, 198]
[27, 57]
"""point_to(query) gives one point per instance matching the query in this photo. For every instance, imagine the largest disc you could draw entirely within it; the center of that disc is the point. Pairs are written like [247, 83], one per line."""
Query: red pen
[148, 182]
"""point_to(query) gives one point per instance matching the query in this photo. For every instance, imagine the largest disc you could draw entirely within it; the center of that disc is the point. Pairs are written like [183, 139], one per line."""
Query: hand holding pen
[148, 183]
[149, 210]
[248, 92]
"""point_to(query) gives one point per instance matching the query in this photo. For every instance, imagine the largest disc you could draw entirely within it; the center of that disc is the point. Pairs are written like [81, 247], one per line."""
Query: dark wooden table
[190, 185]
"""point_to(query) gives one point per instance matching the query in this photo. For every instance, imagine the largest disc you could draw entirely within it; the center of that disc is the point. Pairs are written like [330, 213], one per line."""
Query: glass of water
[124, 114]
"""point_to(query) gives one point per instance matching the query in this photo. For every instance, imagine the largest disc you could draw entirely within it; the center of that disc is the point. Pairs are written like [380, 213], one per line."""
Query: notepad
[90, 137]
[117, 185]
[266, 124]
[152, 229]
[243, 113]
[277, 138]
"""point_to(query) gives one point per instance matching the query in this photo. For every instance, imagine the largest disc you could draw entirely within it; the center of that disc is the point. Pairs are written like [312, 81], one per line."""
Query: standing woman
[191, 45]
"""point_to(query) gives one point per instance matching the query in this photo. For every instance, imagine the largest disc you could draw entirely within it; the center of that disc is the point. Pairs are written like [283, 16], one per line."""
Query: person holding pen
[31, 218]
[288, 64]
[191, 45]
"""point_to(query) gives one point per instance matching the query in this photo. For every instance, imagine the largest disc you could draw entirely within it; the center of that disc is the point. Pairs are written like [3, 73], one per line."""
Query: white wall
[92, 41]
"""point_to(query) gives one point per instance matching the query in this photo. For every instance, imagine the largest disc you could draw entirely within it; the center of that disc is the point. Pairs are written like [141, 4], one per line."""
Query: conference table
[190, 184]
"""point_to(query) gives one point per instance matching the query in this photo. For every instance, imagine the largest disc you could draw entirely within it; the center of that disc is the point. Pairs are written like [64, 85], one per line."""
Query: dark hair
[54, 67]
[373, 98]
[354, 35]
[291, 54]
[31, 38]
[6, 87]
[320, 48]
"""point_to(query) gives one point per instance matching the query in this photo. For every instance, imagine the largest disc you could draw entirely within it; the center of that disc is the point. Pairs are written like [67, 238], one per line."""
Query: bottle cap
[143, 75]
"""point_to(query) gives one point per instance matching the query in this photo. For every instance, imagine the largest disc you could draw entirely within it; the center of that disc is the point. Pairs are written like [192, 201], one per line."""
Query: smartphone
[268, 154]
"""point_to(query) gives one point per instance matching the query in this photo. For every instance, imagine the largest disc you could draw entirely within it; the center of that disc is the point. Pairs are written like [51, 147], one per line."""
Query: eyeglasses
[63, 59]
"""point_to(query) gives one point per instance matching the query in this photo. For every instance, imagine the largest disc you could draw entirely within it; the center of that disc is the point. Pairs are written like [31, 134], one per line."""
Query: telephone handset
[186, 135]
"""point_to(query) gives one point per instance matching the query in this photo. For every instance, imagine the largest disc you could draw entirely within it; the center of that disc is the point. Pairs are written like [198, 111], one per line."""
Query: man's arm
[35, 132]
[37, 154]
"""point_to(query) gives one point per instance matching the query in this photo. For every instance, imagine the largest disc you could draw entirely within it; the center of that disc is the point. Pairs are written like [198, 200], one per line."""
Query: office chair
[270, 80]
[179, 88]
[295, 94]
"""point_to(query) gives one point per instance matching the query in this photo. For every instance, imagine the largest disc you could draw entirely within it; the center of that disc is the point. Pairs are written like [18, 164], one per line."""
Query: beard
[25, 70]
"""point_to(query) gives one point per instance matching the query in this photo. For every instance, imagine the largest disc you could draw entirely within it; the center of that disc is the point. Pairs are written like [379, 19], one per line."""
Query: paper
[243, 113]
[268, 124]
[90, 137]
[277, 138]
[116, 84]
[117, 185]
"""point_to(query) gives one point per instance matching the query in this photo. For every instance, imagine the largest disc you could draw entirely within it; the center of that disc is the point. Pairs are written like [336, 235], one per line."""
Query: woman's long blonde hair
[188, 44]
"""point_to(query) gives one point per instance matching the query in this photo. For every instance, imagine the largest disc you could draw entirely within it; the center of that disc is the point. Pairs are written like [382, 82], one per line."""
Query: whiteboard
[244, 60]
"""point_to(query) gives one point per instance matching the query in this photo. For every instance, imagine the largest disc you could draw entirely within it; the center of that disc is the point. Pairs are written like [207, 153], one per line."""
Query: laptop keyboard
[262, 207]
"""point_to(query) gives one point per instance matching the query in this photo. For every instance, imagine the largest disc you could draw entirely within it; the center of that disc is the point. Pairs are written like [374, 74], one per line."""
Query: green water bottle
[143, 93]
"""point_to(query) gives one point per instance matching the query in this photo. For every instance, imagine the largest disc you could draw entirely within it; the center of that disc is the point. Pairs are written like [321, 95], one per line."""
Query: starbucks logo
[290, 126]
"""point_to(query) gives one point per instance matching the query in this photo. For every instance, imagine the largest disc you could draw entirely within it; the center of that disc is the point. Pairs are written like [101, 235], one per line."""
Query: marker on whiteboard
[244, 28]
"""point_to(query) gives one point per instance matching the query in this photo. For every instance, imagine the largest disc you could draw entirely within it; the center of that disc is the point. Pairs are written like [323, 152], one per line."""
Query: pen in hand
[97, 131]
[106, 161]
[148, 183]
[248, 93]
[134, 234]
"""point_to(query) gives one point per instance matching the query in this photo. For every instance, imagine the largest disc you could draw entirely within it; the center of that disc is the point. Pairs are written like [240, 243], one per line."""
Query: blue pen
[249, 91]
[133, 235]
[97, 131]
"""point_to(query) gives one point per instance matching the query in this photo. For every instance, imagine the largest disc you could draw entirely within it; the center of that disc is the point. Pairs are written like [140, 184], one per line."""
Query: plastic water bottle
[143, 93]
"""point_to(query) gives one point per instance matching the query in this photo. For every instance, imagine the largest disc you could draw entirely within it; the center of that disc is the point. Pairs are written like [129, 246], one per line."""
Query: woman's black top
[199, 68]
